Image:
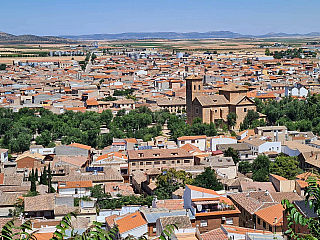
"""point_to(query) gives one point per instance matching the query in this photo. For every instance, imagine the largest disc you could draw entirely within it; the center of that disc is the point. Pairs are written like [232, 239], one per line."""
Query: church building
[231, 98]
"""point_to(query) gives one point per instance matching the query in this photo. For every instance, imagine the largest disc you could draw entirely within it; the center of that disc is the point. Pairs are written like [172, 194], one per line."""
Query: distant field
[33, 52]
[220, 45]
[62, 58]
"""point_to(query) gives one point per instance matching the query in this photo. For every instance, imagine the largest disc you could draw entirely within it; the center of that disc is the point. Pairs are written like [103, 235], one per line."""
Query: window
[199, 87]
[76, 191]
[264, 225]
[182, 142]
[153, 178]
[270, 228]
[148, 163]
[204, 223]
[164, 162]
[259, 221]
[172, 162]
[229, 221]
[157, 162]
[277, 148]
[245, 109]
[193, 141]
[194, 87]
[216, 111]
[197, 110]
[178, 161]
[140, 154]
[154, 229]
[141, 163]
[133, 164]
[186, 161]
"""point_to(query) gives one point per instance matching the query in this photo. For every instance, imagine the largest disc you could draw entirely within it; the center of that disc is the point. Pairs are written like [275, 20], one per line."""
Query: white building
[198, 141]
[214, 141]
[259, 146]
[133, 224]
[296, 91]
[3, 155]
[75, 188]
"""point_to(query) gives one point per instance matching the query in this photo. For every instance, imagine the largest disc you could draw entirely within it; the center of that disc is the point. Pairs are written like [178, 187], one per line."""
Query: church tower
[194, 88]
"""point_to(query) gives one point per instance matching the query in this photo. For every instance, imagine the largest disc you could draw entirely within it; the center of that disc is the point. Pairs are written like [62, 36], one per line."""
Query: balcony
[211, 206]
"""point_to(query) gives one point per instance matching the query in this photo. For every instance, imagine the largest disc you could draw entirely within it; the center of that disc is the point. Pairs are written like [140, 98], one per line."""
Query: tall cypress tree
[44, 176]
[36, 175]
[49, 179]
[41, 179]
[33, 187]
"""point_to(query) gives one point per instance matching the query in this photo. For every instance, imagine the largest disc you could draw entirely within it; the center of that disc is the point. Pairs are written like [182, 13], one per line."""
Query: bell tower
[194, 88]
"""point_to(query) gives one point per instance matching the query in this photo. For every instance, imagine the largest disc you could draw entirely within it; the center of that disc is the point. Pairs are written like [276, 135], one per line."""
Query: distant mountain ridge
[177, 35]
[10, 38]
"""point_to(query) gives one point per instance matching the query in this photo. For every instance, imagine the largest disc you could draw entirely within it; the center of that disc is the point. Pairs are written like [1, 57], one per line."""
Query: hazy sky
[75, 17]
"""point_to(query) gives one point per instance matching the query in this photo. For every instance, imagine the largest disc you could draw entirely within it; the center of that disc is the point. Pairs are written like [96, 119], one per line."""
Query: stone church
[231, 98]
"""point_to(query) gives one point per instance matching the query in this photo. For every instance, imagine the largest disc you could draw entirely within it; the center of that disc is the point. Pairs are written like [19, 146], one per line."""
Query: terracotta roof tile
[270, 213]
[131, 221]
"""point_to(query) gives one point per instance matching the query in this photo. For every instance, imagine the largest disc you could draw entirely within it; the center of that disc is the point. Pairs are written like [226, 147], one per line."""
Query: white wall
[229, 172]
[201, 143]
[303, 92]
[4, 157]
[136, 232]
[222, 140]
[270, 146]
[71, 192]
[290, 152]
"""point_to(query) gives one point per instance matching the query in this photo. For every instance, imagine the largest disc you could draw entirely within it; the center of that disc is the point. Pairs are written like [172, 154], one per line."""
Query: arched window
[194, 87]
[199, 87]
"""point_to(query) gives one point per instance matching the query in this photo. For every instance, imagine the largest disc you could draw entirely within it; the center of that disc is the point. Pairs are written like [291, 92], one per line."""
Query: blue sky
[75, 17]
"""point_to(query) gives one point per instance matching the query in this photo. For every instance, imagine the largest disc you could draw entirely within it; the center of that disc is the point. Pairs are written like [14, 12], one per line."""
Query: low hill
[188, 35]
[10, 38]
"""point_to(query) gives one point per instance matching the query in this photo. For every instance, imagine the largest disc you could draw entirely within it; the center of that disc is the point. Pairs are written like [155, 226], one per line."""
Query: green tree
[44, 139]
[36, 175]
[32, 179]
[230, 152]
[97, 192]
[170, 181]
[249, 119]
[208, 179]
[244, 167]
[267, 52]
[44, 177]
[3, 66]
[261, 169]
[285, 166]
[50, 188]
